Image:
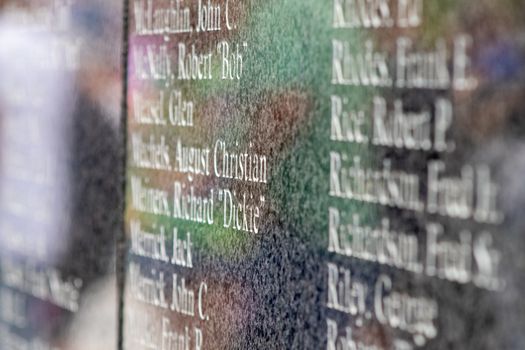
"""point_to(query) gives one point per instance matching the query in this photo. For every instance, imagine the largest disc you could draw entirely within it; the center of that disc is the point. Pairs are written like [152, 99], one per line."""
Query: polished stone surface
[339, 174]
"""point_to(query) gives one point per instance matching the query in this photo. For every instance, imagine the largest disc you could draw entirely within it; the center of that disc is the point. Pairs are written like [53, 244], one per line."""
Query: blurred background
[60, 171]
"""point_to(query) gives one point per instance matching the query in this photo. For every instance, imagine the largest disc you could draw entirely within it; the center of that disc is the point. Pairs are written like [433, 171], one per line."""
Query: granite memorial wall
[249, 174]
[335, 174]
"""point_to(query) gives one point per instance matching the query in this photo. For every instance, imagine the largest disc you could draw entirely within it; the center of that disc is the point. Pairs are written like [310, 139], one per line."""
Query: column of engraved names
[179, 178]
[385, 123]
